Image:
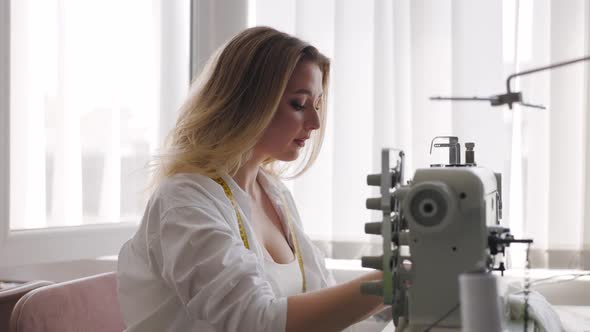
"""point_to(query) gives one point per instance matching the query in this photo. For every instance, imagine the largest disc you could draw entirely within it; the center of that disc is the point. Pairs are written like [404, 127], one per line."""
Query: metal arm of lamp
[514, 97]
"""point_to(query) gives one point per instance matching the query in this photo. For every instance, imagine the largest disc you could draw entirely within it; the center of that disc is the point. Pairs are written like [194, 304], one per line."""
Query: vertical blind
[390, 56]
[88, 107]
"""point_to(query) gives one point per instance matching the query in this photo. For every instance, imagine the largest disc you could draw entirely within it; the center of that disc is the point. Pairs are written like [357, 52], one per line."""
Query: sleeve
[327, 274]
[216, 278]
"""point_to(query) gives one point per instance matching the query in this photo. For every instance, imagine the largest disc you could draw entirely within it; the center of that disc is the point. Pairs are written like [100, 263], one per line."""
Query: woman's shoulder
[186, 189]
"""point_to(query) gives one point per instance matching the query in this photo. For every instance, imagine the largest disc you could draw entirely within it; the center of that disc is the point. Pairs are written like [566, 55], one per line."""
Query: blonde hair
[233, 101]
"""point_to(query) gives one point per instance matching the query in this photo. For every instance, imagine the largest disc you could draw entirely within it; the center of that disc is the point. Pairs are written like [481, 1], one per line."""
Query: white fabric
[574, 318]
[186, 268]
[285, 279]
[541, 314]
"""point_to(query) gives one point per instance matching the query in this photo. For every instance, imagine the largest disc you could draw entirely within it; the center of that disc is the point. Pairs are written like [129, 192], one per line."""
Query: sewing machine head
[448, 216]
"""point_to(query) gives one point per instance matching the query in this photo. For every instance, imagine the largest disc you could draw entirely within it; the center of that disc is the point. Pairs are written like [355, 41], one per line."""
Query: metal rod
[534, 70]
[462, 98]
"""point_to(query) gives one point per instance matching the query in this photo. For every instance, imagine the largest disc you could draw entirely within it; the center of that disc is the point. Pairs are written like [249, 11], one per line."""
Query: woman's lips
[300, 142]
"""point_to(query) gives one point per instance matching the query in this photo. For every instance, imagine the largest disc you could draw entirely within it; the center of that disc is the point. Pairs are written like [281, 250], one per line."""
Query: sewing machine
[448, 216]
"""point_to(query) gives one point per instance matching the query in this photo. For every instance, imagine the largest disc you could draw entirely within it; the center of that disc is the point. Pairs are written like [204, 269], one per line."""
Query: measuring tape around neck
[244, 237]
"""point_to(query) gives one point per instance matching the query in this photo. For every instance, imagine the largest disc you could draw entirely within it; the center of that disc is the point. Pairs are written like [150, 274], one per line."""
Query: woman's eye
[297, 106]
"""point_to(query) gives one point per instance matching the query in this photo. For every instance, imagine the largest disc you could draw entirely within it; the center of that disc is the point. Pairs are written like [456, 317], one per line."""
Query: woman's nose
[313, 120]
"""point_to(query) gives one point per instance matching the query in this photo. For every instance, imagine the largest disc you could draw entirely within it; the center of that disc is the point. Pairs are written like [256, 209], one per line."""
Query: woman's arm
[333, 308]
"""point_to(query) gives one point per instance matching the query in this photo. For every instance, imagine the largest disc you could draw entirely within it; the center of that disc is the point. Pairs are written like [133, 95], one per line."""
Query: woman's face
[297, 115]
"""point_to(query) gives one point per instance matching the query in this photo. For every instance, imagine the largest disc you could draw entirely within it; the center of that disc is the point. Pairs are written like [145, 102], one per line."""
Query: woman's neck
[246, 175]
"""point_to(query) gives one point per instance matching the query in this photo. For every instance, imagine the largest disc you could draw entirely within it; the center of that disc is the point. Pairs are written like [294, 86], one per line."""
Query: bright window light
[85, 79]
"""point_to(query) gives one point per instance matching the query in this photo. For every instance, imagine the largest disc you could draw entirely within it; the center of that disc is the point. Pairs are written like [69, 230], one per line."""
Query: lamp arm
[534, 70]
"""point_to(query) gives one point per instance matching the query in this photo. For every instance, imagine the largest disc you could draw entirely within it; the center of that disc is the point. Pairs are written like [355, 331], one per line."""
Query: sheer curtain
[555, 152]
[88, 91]
[89, 86]
[390, 56]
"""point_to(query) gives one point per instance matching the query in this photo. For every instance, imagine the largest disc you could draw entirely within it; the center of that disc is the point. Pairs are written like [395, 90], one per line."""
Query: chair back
[9, 297]
[87, 304]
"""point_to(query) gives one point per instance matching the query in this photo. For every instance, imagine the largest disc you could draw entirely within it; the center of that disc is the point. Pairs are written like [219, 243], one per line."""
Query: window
[87, 108]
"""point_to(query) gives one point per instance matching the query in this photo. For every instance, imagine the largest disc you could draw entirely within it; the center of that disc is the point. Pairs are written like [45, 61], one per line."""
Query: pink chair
[88, 304]
[10, 296]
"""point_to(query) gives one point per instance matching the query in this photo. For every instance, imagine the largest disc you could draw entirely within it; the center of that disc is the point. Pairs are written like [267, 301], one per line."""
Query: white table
[573, 319]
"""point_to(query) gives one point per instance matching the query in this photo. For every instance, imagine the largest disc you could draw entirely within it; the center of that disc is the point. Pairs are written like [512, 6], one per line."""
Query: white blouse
[285, 279]
[186, 268]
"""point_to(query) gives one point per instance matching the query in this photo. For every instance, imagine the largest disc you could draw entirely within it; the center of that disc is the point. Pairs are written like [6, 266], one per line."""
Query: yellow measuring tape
[244, 237]
[229, 195]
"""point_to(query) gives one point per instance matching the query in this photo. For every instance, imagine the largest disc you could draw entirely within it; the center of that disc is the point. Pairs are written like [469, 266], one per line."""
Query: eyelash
[299, 107]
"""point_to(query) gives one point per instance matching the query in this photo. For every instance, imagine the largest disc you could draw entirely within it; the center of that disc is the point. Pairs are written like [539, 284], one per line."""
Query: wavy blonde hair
[233, 101]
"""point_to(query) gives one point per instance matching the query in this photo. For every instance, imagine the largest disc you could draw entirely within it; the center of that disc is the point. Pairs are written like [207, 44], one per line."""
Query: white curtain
[89, 85]
[390, 56]
[554, 146]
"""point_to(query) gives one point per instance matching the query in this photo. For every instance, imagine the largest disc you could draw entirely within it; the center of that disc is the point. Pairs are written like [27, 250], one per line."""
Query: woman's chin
[289, 156]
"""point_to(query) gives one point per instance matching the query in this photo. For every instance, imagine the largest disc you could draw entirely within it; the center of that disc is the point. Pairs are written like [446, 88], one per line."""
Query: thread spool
[480, 304]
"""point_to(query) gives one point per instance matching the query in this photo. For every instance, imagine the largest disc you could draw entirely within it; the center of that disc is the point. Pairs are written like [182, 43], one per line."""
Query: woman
[221, 246]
